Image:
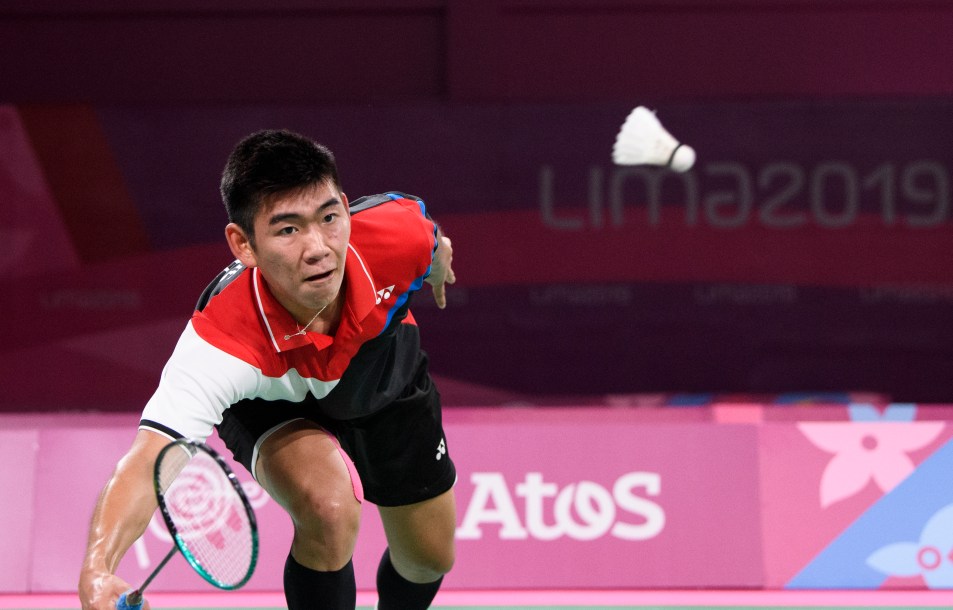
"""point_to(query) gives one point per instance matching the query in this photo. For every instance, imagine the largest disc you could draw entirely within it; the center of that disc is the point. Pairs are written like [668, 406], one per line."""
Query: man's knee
[319, 510]
[325, 510]
[326, 527]
[424, 564]
[441, 564]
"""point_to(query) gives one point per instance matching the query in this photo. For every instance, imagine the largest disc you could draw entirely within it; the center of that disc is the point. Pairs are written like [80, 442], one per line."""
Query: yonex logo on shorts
[441, 449]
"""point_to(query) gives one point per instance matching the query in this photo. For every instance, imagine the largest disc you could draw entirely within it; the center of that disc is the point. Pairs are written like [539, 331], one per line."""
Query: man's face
[300, 246]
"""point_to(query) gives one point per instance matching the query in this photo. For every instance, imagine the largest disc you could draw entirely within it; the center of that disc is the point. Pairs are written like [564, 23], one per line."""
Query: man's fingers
[440, 296]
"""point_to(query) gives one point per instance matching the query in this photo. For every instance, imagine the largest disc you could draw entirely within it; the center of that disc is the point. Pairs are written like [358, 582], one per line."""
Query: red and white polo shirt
[242, 345]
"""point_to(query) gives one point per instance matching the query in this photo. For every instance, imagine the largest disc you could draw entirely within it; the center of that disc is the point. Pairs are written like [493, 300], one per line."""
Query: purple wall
[806, 252]
[251, 51]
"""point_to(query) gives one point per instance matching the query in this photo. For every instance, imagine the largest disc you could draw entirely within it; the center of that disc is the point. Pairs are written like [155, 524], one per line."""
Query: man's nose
[316, 244]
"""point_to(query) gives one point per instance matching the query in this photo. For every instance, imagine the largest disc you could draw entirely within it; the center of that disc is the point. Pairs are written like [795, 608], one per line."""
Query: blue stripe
[418, 283]
[423, 212]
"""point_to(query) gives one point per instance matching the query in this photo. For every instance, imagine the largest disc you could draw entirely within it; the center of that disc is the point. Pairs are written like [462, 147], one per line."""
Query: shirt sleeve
[422, 227]
[197, 384]
[396, 232]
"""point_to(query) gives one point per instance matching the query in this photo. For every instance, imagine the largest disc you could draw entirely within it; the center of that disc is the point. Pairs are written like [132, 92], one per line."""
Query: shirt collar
[360, 297]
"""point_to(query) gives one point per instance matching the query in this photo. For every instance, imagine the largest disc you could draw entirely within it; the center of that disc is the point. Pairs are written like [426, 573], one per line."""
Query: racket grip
[130, 600]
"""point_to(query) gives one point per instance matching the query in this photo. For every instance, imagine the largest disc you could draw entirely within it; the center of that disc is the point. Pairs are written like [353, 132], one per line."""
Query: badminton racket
[208, 515]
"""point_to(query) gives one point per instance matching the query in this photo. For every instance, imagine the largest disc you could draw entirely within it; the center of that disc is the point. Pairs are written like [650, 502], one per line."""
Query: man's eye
[286, 230]
[330, 217]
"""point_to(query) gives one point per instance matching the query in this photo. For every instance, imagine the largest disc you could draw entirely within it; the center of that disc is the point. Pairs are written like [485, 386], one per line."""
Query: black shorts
[400, 451]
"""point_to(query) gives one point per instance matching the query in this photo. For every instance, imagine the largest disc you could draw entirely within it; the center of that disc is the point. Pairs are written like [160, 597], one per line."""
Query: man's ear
[347, 206]
[240, 245]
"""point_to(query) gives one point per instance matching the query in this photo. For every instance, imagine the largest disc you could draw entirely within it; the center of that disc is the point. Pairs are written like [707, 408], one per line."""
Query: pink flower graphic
[867, 450]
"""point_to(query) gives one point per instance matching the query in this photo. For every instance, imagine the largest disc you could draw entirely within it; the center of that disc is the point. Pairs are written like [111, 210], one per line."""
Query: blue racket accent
[123, 602]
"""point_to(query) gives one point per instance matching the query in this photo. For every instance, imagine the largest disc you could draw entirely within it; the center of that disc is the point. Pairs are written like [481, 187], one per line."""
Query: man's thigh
[302, 463]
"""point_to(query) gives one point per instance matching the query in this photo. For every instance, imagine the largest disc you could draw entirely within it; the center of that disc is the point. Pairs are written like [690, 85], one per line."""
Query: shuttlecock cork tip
[683, 158]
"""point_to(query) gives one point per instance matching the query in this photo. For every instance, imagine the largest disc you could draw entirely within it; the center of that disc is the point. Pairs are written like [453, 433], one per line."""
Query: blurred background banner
[729, 496]
[807, 251]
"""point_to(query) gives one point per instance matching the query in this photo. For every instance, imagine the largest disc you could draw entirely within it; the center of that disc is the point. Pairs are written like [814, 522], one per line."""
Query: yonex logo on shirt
[385, 293]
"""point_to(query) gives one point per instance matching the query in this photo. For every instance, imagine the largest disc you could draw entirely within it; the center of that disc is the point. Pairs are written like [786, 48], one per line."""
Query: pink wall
[18, 453]
[641, 497]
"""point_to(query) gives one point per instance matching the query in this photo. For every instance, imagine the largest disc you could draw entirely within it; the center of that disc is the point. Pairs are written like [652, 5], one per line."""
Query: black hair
[269, 162]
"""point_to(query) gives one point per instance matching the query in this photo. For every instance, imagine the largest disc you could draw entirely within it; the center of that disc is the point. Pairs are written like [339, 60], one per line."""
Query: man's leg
[420, 540]
[302, 468]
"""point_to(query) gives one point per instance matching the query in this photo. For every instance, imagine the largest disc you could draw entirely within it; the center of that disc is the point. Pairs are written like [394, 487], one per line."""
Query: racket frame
[194, 446]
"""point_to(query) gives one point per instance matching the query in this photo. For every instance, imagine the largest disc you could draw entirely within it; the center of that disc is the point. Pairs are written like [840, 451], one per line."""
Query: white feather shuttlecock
[643, 140]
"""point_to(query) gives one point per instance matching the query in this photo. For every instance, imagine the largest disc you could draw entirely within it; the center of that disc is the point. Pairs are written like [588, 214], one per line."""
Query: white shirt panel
[200, 381]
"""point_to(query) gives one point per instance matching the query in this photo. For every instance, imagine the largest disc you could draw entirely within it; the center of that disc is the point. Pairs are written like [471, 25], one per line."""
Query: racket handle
[130, 600]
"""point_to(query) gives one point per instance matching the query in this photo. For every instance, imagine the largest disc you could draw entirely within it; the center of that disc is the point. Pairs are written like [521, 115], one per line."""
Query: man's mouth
[319, 276]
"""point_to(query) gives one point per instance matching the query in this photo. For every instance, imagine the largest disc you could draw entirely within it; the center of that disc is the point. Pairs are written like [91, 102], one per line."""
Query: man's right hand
[102, 591]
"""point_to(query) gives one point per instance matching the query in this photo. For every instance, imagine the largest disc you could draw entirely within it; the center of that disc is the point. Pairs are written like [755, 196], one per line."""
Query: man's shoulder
[392, 229]
[225, 315]
[391, 219]
[370, 202]
[225, 277]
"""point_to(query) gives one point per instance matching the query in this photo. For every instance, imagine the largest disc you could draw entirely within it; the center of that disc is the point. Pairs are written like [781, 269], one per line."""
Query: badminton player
[304, 355]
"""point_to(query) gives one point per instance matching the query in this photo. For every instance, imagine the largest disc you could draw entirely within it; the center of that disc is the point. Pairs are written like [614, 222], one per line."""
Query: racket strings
[211, 523]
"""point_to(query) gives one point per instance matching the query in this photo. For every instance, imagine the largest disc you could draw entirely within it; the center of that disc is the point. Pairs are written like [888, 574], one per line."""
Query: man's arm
[122, 514]
[441, 271]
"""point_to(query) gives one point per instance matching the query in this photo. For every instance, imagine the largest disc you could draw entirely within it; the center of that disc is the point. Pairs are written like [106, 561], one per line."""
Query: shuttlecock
[643, 141]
